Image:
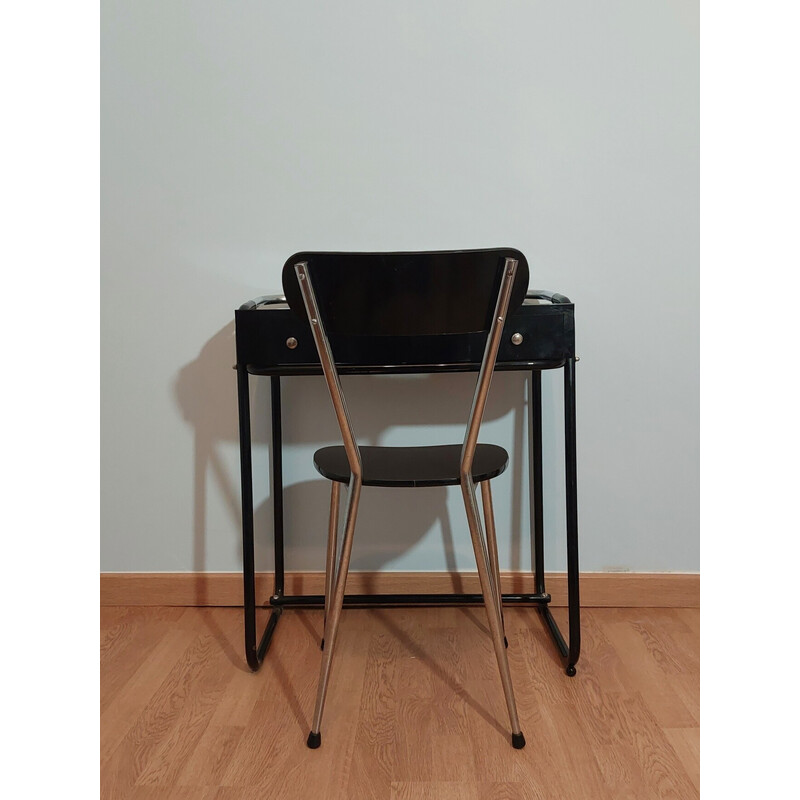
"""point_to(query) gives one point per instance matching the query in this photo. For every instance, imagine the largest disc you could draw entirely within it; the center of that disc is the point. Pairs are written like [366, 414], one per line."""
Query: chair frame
[484, 544]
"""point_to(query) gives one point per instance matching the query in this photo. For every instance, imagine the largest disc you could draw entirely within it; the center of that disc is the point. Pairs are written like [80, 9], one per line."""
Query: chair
[381, 301]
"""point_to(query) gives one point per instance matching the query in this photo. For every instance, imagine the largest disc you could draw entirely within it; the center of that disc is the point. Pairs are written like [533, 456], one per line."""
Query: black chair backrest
[406, 294]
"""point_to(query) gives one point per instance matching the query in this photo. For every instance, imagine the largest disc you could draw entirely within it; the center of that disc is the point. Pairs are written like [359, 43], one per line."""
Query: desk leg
[535, 465]
[571, 458]
[277, 486]
[571, 652]
[255, 652]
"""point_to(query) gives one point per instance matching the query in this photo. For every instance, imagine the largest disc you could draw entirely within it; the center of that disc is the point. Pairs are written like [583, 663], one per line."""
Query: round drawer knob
[291, 343]
[516, 338]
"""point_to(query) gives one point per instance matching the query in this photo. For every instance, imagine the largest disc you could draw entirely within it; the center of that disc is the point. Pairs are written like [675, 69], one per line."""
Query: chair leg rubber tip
[517, 741]
[314, 740]
[571, 671]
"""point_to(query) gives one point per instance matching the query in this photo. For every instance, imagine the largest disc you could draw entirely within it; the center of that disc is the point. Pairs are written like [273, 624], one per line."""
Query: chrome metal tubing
[264, 300]
[489, 583]
[333, 604]
[491, 544]
[335, 610]
[329, 368]
[543, 294]
[490, 601]
[330, 562]
[491, 590]
[487, 367]
[482, 392]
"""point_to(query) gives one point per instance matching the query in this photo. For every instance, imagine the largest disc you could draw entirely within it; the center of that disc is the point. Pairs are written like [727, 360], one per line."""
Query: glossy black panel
[405, 294]
[264, 332]
[437, 465]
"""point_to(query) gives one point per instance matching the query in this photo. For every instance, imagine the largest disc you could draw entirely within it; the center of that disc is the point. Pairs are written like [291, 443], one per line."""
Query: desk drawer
[264, 336]
[544, 333]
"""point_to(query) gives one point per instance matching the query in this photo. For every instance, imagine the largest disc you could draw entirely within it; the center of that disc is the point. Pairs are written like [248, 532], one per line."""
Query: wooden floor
[415, 708]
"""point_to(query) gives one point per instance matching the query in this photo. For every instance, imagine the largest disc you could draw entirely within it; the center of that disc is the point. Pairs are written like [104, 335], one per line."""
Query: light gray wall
[234, 134]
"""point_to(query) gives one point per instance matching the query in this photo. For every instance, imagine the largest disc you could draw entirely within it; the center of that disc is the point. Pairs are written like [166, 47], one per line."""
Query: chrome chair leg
[492, 607]
[491, 546]
[335, 609]
[330, 561]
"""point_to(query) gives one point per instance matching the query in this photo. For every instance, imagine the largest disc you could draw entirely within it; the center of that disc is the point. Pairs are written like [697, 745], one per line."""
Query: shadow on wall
[391, 521]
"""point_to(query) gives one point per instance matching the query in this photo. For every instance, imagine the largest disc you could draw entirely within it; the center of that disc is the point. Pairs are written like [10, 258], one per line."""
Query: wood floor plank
[645, 674]
[666, 776]
[125, 707]
[504, 790]
[669, 641]
[162, 730]
[431, 701]
[325, 772]
[277, 708]
[209, 760]
[690, 617]
[125, 647]
[173, 793]
[415, 707]
[573, 754]
[686, 743]
[112, 637]
[434, 790]
[374, 750]
[621, 772]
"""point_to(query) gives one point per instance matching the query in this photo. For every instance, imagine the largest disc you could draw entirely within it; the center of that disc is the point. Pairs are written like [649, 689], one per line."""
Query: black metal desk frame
[271, 342]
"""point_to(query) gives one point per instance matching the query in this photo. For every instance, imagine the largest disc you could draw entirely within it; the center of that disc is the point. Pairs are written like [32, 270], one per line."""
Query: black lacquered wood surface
[272, 340]
[436, 465]
[415, 294]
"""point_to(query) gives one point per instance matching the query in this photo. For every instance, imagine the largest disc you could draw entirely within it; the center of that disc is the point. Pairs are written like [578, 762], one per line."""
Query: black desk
[272, 341]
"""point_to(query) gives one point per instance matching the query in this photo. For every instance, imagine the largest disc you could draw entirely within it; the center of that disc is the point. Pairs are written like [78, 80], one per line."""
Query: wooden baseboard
[598, 589]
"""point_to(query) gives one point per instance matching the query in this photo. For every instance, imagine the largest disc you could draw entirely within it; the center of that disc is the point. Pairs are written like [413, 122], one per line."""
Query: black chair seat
[437, 465]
